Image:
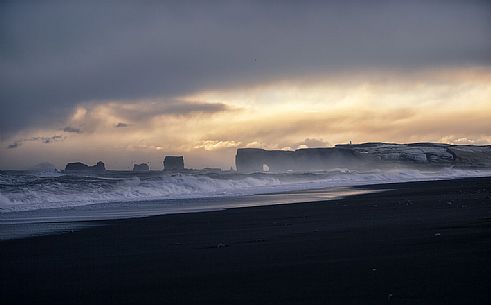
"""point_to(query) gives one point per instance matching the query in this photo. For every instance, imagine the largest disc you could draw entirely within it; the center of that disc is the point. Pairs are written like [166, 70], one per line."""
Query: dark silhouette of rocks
[174, 163]
[99, 166]
[366, 155]
[79, 166]
[143, 167]
[427, 153]
[307, 159]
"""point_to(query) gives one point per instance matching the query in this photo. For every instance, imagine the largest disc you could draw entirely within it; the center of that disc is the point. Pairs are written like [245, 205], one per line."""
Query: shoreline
[26, 224]
[417, 243]
[47, 221]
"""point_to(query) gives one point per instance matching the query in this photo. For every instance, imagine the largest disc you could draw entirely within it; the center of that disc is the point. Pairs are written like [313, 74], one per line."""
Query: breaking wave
[24, 191]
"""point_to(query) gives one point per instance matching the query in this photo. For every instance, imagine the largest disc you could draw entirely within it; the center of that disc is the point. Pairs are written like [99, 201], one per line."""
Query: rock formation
[307, 159]
[367, 155]
[174, 163]
[143, 167]
[427, 153]
[79, 166]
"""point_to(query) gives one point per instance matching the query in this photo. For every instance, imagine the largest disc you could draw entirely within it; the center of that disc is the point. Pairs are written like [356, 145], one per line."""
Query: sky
[130, 82]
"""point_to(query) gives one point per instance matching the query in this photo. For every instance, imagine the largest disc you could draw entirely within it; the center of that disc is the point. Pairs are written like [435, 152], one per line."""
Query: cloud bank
[58, 55]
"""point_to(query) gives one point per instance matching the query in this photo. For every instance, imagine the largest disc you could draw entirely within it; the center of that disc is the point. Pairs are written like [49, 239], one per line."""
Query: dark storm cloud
[44, 140]
[142, 112]
[54, 55]
[185, 108]
[14, 145]
[121, 125]
[71, 129]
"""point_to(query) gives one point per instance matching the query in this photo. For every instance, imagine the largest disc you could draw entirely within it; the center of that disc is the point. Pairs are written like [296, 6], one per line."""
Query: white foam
[62, 192]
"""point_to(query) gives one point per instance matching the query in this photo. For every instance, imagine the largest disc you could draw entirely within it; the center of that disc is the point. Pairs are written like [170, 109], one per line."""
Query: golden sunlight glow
[452, 106]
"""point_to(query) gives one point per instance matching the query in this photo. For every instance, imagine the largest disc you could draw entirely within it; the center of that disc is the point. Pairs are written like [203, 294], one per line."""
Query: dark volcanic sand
[421, 243]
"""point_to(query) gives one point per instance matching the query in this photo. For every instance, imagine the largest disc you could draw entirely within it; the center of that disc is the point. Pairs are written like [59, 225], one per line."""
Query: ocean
[39, 201]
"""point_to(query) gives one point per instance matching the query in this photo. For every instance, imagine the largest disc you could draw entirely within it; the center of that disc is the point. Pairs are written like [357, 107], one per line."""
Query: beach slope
[416, 243]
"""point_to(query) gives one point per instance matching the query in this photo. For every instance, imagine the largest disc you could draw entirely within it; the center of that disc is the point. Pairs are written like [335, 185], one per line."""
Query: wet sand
[416, 243]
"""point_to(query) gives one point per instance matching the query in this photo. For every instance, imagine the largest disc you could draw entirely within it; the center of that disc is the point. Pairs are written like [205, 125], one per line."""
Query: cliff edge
[363, 156]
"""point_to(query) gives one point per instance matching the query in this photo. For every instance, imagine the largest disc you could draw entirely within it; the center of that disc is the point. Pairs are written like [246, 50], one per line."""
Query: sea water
[36, 201]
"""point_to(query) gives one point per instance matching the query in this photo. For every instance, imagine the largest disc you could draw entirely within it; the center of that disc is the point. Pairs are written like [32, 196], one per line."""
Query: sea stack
[174, 163]
[143, 167]
[79, 166]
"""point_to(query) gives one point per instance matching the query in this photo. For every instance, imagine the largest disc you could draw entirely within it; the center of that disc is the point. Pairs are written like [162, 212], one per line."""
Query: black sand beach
[417, 243]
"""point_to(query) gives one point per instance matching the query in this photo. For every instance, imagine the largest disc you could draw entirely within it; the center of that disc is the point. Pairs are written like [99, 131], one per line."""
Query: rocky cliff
[367, 155]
